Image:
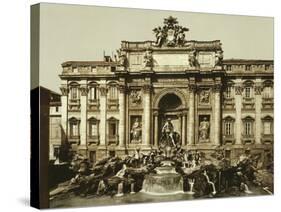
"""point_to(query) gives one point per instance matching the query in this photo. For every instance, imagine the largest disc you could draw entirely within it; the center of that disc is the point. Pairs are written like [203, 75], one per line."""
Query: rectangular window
[74, 129]
[228, 92]
[227, 153]
[267, 92]
[228, 130]
[92, 157]
[113, 92]
[248, 128]
[248, 92]
[56, 152]
[112, 153]
[74, 93]
[93, 93]
[93, 129]
[112, 129]
[267, 128]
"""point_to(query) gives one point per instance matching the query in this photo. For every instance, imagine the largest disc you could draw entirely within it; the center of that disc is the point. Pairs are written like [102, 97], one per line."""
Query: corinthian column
[217, 114]
[103, 109]
[190, 124]
[64, 122]
[238, 107]
[258, 105]
[122, 94]
[83, 123]
[147, 113]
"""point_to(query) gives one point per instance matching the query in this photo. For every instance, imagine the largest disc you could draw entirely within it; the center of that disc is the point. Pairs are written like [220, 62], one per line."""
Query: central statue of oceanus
[169, 138]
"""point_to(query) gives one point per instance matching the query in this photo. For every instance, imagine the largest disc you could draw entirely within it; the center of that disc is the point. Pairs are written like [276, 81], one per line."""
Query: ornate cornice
[192, 88]
[238, 89]
[84, 90]
[147, 88]
[217, 87]
[123, 88]
[103, 90]
[258, 89]
[64, 90]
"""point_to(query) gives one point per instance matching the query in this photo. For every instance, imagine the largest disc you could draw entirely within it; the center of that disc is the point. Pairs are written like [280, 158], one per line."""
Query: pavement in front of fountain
[77, 201]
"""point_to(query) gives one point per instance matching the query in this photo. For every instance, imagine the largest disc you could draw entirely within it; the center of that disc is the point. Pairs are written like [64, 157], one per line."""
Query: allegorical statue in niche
[218, 58]
[192, 59]
[148, 59]
[135, 97]
[204, 129]
[204, 97]
[136, 131]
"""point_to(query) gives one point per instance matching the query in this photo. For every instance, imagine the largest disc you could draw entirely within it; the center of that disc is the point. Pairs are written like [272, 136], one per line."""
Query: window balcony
[228, 139]
[93, 104]
[267, 103]
[248, 139]
[74, 104]
[228, 103]
[113, 104]
[113, 139]
[248, 103]
[74, 139]
[267, 138]
[94, 139]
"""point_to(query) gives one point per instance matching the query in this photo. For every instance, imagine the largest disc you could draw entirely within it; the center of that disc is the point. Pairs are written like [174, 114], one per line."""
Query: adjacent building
[113, 106]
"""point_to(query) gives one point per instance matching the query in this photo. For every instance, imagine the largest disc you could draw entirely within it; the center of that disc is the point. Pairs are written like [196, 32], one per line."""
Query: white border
[14, 157]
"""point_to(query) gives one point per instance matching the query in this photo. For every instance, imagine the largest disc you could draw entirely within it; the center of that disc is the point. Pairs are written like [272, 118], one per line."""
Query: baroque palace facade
[114, 106]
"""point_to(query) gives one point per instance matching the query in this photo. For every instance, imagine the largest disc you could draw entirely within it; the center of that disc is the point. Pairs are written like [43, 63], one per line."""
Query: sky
[73, 32]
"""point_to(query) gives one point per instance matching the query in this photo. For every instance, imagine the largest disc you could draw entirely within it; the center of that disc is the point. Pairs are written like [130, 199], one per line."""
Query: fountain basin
[163, 184]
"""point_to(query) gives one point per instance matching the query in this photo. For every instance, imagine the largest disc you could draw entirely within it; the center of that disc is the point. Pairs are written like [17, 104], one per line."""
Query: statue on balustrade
[218, 58]
[204, 130]
[148, 59]
[122, 58]
[192, 59]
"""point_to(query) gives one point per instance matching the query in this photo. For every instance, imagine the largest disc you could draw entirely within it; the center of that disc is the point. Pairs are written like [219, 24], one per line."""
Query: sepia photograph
[141, 106]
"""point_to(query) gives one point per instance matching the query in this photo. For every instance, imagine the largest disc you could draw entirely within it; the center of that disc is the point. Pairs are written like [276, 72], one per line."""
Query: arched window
[267, 125]
[74, 91]
[113, 91]
[93, 128]
[228, 126]
[268, 89]
[229, 91]
[112, 128]
[93, 92]
[74, 127]
[248, 123]
[248, 89]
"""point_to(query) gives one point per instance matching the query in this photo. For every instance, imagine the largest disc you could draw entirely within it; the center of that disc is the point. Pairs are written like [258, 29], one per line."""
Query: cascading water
[191, 185]
[210, 182]
[166, 181]
[120, 190]
[246, 188]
